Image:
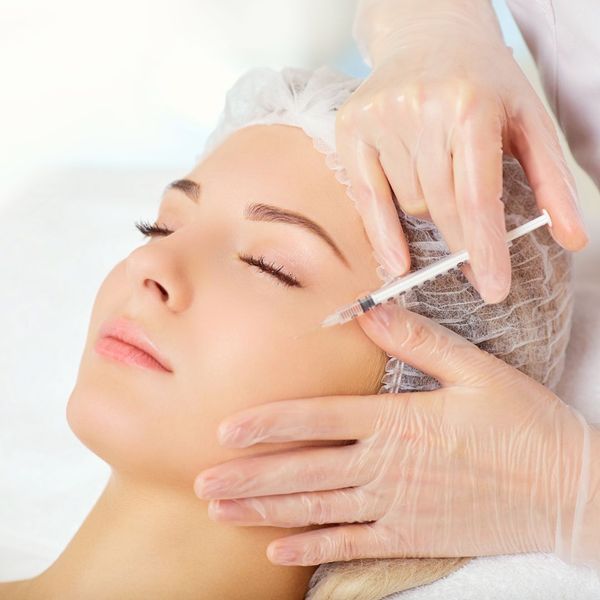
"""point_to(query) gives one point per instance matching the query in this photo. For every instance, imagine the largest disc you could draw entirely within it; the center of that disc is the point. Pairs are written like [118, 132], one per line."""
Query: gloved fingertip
[470, 275]
[380, 319]
[282, 555]
[394, 260]
[572, 236]
[214, 510]
[400, 263]
[236, 510]
[493, 288]
[235, 435]
[379, 323]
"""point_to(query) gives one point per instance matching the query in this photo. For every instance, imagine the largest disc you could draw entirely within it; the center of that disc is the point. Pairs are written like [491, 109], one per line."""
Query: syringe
[407, 282]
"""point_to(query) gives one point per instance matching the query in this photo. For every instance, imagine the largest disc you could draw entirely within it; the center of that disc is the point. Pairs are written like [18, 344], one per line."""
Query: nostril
[163, 292]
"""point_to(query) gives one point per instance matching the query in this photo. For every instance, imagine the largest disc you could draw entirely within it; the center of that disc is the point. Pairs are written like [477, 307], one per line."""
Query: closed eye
[152, 229]
[271, 268]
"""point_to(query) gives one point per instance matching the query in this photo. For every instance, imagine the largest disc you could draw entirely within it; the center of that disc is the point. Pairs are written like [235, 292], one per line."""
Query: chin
[101, 422]
[111, 418]
[121, 416]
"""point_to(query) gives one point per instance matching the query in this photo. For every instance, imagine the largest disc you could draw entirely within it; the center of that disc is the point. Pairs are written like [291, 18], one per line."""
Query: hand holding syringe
[407, 282]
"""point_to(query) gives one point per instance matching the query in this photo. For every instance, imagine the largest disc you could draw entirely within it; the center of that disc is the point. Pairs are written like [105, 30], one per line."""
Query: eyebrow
[274, 214]
[266, 212]
[190, 188]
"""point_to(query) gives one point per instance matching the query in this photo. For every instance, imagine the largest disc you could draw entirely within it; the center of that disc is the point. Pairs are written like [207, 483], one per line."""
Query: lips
[125, 340]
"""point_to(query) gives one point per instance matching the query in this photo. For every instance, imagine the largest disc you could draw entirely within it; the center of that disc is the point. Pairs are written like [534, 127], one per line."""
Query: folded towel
[513, 577]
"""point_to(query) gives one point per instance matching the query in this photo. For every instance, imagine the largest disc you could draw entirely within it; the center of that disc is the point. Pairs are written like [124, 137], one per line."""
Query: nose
[157, 276]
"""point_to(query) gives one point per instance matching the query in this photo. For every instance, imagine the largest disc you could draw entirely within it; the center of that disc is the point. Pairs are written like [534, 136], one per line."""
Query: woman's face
[235, 336]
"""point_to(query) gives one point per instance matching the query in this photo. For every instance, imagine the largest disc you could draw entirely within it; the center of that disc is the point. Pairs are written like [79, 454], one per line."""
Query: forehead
[279, 165]
[279, 160]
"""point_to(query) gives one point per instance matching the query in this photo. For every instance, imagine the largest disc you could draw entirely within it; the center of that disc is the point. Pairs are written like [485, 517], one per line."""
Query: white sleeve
[562, 36]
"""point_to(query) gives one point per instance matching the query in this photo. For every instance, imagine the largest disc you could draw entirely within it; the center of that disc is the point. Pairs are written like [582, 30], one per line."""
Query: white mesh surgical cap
[529, 330]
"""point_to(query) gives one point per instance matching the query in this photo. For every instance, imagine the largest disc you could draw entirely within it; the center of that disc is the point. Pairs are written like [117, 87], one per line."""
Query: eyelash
[152, 229]
[271, 268]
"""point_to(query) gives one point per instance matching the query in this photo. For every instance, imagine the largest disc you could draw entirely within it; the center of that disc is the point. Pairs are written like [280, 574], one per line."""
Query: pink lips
[125, 341]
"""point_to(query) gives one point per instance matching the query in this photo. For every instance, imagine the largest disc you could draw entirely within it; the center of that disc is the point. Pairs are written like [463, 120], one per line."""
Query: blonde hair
[374, 579]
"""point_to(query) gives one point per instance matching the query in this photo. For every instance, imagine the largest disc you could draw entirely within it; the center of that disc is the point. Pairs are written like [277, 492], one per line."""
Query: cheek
[236, 357]
[236, 347]
[246, 354]
[265, 349]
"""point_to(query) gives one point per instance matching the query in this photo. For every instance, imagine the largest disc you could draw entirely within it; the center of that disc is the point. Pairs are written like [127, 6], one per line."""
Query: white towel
[514, 577]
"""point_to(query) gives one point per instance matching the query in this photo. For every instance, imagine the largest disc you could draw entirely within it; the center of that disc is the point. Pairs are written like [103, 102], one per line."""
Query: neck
[145, 541]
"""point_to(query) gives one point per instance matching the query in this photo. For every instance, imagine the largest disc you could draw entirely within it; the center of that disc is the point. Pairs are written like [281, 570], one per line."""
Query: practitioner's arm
[562, 38]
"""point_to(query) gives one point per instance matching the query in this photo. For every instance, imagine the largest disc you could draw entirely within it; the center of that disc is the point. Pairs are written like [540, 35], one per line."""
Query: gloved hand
[445, 99]
[491, 463]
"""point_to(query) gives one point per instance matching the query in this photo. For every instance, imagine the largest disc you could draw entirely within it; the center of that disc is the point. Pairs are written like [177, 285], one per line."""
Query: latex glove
[445, 99]
[491, 463]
